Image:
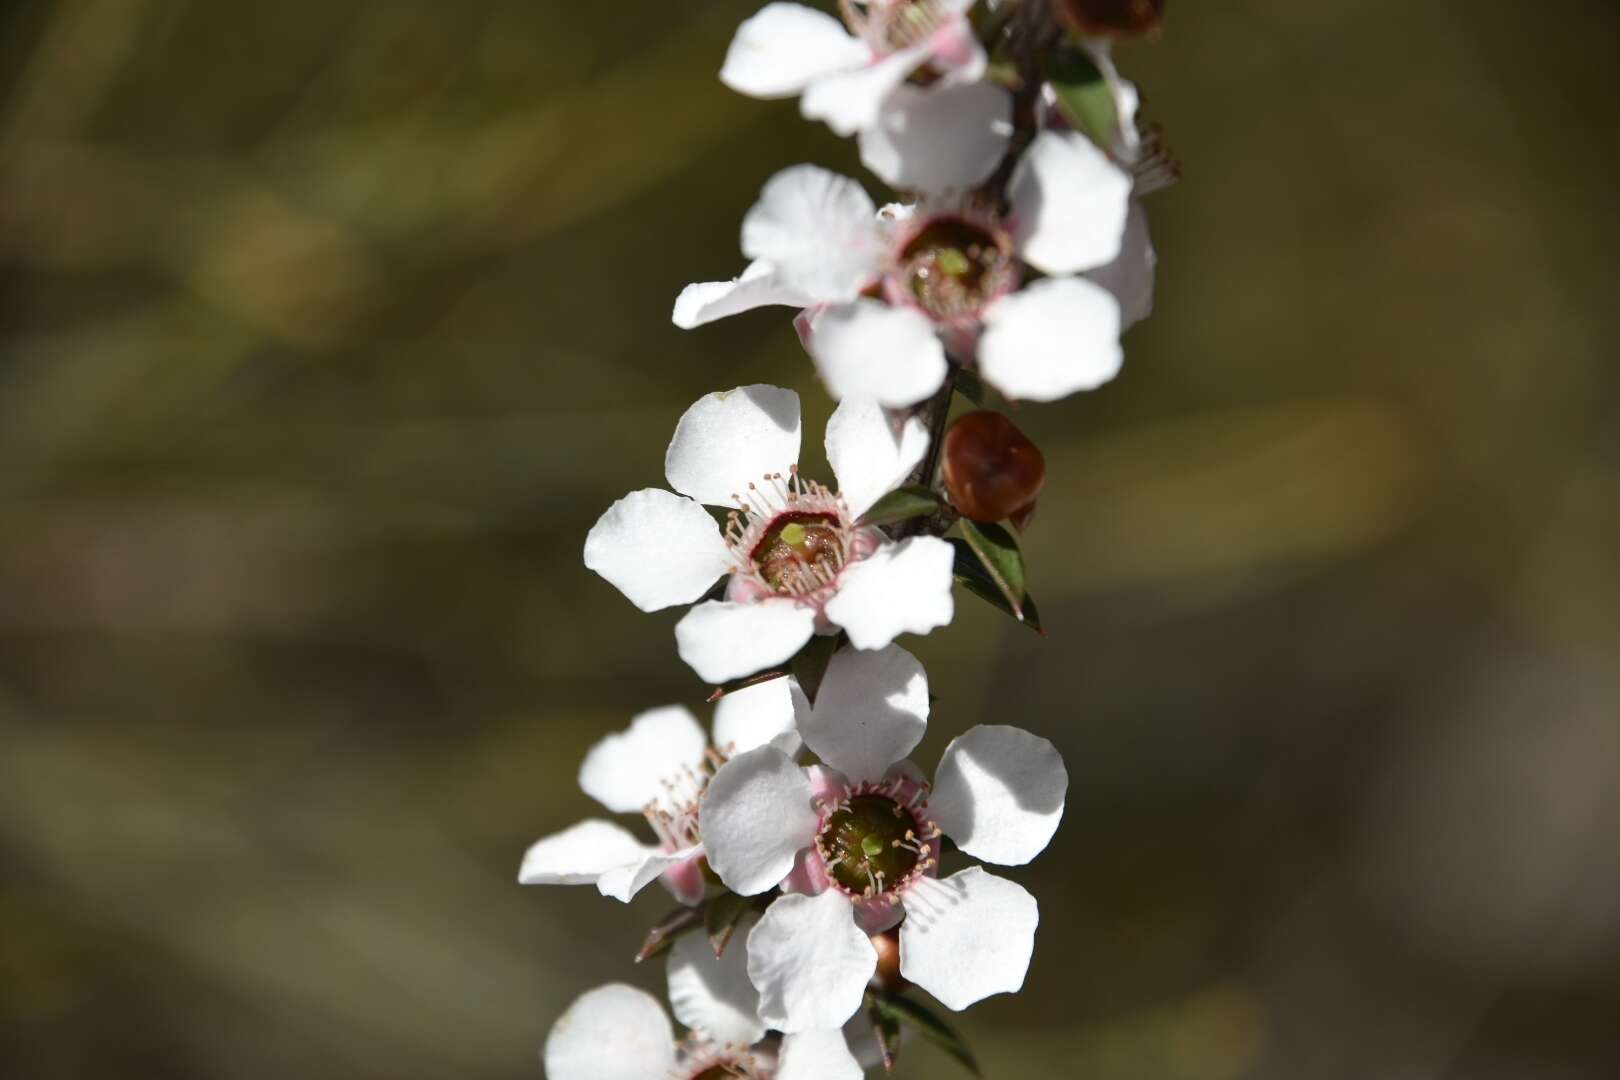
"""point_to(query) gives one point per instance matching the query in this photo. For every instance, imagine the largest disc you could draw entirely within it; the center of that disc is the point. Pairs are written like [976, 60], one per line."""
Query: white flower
[856, 844]
[844, 75]
[798, 561]
[945, 277]
[1130, 276]
[618, 1032]
[659, 766]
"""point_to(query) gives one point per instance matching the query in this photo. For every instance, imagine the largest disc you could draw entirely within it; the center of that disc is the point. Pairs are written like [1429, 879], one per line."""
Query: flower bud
[1113, 17]
[992, 471]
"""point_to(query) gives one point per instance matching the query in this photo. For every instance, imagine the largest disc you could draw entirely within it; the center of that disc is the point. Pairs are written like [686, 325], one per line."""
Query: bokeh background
[331, 325]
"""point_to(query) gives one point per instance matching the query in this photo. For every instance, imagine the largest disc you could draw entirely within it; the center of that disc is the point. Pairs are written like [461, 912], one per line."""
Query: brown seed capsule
[992, 470]
[1111, 16]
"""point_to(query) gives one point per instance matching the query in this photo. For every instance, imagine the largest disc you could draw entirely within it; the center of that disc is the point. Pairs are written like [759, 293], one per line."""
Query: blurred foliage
[329, 327]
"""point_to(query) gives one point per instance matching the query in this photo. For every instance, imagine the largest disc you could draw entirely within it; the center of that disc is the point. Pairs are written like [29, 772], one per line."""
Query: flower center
[874, 844]
[891, 25]
[701, 1060]
[952, 267]
[792, 538]
[799, 551]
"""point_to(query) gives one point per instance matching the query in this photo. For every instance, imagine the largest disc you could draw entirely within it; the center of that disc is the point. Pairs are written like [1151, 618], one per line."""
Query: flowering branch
[827, 894]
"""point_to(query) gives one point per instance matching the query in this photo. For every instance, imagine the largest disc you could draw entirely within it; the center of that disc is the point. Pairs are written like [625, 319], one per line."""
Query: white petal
[614, 1032]
[901, 588]
[757, 815]
[1130, 276]
[733, 438]
[622, 883]
[949, 137]
[1068, 203]
[1054, 337]
[581, 854]
[869, 349]
[967, 936]
[849, 101]
[818, 229]
[998, 793]
[723, 640]
[810, 962]
[868, 457]
[763, 714]
[871, 711]
[785, 47]
[758, 286]
[657, 548]
[626, 770]
[712, 993]
[818, 1055]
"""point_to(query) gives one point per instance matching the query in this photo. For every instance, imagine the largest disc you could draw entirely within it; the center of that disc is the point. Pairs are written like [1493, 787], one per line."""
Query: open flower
[856, 843]
[844, 73]
[617, 1032]
[889, 295]
[658, 766]
[797, 559]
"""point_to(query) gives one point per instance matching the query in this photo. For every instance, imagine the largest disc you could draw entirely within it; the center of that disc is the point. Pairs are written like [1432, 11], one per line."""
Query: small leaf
[998, 553]
[744, 683]
[1083, 96]
[666, 930]
[930, 1027]
[970, 386]
[901, 504]
[971, 575]
[886, 1028]
[721, 916]
[809, 667]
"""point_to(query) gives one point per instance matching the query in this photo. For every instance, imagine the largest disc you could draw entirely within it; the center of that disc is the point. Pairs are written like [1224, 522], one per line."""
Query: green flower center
[871, 844]
[953, 268]
[800, 552]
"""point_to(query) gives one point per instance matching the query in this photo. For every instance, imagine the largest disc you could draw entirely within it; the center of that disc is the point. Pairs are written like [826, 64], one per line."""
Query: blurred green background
[331, 325]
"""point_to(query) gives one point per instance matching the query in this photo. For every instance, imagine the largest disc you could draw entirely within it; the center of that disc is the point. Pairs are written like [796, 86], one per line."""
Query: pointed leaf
[721, 916]
[998, 553]
[810, 665]
[666, 930]
[970, 386]
[901, 504]
[886, 1027]
[930, 1027]
[1084, 97]
[971, 575]
[745, 682]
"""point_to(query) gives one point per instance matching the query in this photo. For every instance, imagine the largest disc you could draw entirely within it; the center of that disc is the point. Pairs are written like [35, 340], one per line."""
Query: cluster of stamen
[792, 537]
[1155, 167]
[673, 815]
[702, 1060]
[952, 266]
[892, 25]
[878, 840]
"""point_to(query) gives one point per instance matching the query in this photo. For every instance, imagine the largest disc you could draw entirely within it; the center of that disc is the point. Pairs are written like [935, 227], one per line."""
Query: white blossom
[659, 767]
[856, 844]
[843, 72]
[797, 558]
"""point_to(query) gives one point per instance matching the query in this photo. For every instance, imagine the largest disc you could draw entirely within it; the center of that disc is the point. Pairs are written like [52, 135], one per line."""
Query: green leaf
[971, 574]
[998, 553]
[666, 930]
[970, 386]
[901, 504]
[721, 916]
[1083, 96]
[810, 665]
[925, 1023]
[886, 1027]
